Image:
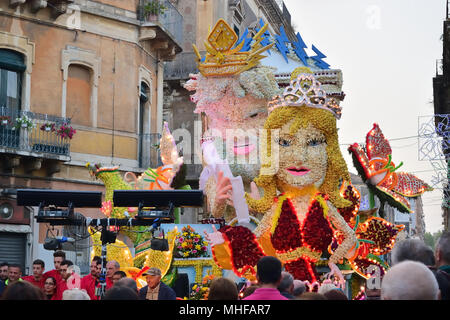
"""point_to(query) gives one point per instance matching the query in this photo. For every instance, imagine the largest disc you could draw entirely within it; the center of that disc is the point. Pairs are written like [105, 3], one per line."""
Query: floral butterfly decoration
[378, 171]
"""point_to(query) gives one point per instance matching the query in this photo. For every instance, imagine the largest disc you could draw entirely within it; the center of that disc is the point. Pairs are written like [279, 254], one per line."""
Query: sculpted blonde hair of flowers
[323, 121]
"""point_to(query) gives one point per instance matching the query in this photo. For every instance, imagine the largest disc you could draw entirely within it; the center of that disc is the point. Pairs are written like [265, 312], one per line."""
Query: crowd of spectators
[417, 273]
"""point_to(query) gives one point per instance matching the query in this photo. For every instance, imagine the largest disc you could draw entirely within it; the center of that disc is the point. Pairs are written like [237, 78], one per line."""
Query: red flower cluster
[302, 270]
[317, 232]
[287, 234]
[364, 263]
[66, 131]
[244, 247]
[349, 212]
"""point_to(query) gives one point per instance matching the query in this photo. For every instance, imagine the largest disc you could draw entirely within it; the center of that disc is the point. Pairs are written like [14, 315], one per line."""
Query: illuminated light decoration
[360, 266]
[379, 172]
[106, 208]
[350, 193]
[280, 43]
[381, 232]
[299, 49]
[318, 59]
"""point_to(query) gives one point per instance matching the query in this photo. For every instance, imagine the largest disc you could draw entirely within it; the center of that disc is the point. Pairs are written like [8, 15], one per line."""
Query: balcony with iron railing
[164, 13]
[34, 134]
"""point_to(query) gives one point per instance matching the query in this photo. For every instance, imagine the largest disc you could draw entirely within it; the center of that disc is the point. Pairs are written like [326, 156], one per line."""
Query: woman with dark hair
[223, 289]
[22, 290]
[50, 288]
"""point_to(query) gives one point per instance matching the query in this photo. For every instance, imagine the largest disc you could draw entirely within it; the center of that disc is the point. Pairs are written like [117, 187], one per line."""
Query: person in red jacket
[65, 275]
[58, 257]
[91, 281]
[37, 278]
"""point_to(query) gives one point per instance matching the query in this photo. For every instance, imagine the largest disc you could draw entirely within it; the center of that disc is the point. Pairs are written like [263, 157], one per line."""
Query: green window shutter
[12, 60]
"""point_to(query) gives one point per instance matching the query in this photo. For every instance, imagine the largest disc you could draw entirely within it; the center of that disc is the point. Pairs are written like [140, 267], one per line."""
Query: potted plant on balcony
[66, 131]
[153, 9]
[48, 126]
[24, 122]
[5, 120]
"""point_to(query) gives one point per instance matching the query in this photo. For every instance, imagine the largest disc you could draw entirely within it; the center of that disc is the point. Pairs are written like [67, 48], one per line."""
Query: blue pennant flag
[318, 59]
[299, 49]
[266, 35]
[247, 41]
[280, 43]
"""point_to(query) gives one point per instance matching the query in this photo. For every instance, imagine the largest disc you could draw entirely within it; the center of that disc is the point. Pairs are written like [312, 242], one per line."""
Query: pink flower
[180, 240]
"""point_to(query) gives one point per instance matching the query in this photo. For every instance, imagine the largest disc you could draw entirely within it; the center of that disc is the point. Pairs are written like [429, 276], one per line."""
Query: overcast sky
[387, 51]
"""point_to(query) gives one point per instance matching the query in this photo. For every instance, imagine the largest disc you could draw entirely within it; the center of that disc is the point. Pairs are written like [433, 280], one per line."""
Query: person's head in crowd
[58, 257]
[326, 286]
[22, 290]
[409, 280]
[127, 282]
[75, 294]
[118, 275]
[311, 296]
[223, 289]
[299, 288]
[3, 271]
[64, 269]
[14, 273]
[50, 286]
[111, 267]
[153, 277]
[38, 268]
[414, 250]
[96, 266]
[335, 294]
[249, 290]
[286, 283]
[442, 251]
[268, 272]
[121, 293]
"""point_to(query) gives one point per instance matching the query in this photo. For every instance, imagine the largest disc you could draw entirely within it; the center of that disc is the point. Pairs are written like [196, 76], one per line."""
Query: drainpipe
[160, 96]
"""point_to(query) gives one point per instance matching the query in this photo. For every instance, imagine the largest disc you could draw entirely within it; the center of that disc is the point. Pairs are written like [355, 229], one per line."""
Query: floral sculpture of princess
[301, 184]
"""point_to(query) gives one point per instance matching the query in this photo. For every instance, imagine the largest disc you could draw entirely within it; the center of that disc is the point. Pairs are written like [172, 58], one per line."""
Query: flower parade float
[301, 189]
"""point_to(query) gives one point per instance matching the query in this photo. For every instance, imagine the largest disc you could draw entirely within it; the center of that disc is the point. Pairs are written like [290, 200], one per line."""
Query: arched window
[79, 95]
[12, 66]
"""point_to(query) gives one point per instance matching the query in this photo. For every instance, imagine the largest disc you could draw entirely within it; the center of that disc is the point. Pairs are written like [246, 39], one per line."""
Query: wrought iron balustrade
[32, 132]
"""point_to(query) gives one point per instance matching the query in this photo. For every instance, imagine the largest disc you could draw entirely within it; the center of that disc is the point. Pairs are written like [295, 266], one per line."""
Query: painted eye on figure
[284, 142]
[314, 142]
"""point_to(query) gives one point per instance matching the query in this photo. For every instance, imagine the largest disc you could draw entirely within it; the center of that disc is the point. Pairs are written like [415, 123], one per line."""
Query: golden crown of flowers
[305, 90]
[222, 59]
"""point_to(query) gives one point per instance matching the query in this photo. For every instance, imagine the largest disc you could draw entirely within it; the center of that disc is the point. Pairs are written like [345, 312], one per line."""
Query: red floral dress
[297, 244]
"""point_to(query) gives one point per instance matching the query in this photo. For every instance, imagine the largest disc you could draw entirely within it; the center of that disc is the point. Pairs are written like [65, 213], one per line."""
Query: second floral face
[302, 156]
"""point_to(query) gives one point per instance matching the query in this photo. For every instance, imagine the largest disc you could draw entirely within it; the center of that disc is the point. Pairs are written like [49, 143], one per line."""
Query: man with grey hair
[111, 267]
[155, 288]
[299, 288]
[409, 280]
[286, 285]
[412, 249]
